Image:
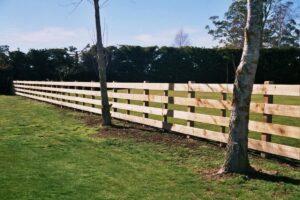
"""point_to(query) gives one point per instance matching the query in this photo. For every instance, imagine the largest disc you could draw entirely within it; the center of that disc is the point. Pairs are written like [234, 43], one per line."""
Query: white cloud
[160, 39]
[50, 37]
[205, 41]
[58, 37]
[166, 38]
[47, 35]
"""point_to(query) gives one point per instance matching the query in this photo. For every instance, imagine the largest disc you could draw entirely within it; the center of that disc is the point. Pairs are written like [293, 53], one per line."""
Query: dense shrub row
[154, 64]
[201, 65]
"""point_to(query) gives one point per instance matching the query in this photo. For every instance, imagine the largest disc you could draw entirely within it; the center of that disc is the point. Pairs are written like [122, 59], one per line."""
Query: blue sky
[29, 24]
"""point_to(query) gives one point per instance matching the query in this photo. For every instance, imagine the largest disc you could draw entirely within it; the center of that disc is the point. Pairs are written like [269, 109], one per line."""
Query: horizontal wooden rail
[59, 96]
[274, 109]
[82, 96]
[288, 90]
[61, 103]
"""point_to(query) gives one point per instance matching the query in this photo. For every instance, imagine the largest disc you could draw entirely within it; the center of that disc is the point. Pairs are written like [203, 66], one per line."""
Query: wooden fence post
[83, 95]
[191, 94]
[223, 114]
[76, 95]
[115, 90]
[128, 102]
[191, 109]
[166, 94]
[146, 103]
[51, 91]
[63, 94]
[268, 99]
[93, 97]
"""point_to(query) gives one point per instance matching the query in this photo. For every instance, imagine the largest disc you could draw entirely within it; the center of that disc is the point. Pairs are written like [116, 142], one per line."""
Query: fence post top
[268, 82]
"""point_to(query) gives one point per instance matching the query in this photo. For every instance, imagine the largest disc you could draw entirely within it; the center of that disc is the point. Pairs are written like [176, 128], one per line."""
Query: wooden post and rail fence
[177, 107]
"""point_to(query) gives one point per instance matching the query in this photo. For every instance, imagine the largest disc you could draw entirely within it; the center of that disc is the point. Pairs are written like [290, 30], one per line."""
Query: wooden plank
[283, 110]
[139, 120]
[66, 104]
[288, 90]
[273, 148]
[56, 83]
[200, 87]
[275, 129]
[59, 96]
[141, 109]
[139, 97]
[203, 118]
[140, 86]
[61, 90]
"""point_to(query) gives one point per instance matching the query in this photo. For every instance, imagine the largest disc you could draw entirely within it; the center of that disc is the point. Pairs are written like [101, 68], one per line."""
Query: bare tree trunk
[102, 69]
[236, 159]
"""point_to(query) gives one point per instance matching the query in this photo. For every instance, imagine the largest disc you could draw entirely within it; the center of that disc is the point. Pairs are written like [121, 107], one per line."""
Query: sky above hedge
[29, 24]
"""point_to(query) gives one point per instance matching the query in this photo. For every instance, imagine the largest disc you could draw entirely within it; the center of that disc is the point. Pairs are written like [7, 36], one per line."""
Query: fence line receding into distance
[200, 110]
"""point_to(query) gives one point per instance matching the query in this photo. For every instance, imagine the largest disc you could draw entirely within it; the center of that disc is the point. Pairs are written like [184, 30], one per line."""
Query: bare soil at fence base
[139, 133]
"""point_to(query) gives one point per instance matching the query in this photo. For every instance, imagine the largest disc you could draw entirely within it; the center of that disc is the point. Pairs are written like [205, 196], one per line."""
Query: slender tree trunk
[236, 159]
[102, 69]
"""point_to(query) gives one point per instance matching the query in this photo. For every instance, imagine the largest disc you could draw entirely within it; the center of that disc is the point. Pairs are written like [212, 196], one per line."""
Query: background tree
[5, 71]
[102, 65]
[182, 39]
[4, 48]
[236, 159]
[279, 26]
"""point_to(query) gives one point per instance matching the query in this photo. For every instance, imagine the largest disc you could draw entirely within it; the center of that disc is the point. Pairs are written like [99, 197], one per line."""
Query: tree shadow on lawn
[260, 175]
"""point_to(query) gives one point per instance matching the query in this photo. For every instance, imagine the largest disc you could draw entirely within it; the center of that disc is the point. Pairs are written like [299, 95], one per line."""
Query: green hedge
[169, 64]
[6, 79]
[154, 64]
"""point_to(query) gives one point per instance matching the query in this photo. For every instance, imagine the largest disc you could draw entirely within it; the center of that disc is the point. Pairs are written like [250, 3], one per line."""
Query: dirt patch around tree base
[140, 133]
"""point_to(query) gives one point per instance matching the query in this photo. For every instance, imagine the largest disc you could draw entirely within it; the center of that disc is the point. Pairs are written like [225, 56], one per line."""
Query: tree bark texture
[106, 116]
[236, 159]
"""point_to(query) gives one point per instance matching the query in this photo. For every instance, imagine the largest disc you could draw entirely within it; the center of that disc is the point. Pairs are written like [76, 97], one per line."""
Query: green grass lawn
[49, 153]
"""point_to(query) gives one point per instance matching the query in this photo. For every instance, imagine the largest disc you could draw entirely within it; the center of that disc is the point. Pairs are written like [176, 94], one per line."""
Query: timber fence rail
[194, 109]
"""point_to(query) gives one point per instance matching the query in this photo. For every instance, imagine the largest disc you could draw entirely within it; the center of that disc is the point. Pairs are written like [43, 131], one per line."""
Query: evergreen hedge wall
[166, 64]
[154, 64]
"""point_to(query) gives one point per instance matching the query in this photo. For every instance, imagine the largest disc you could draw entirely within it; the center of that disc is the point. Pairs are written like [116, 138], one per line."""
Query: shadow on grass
[136, 127]
[273, 178]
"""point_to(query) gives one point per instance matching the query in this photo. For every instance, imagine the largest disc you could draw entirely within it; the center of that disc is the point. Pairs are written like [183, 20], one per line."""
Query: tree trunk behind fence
[102, 69]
